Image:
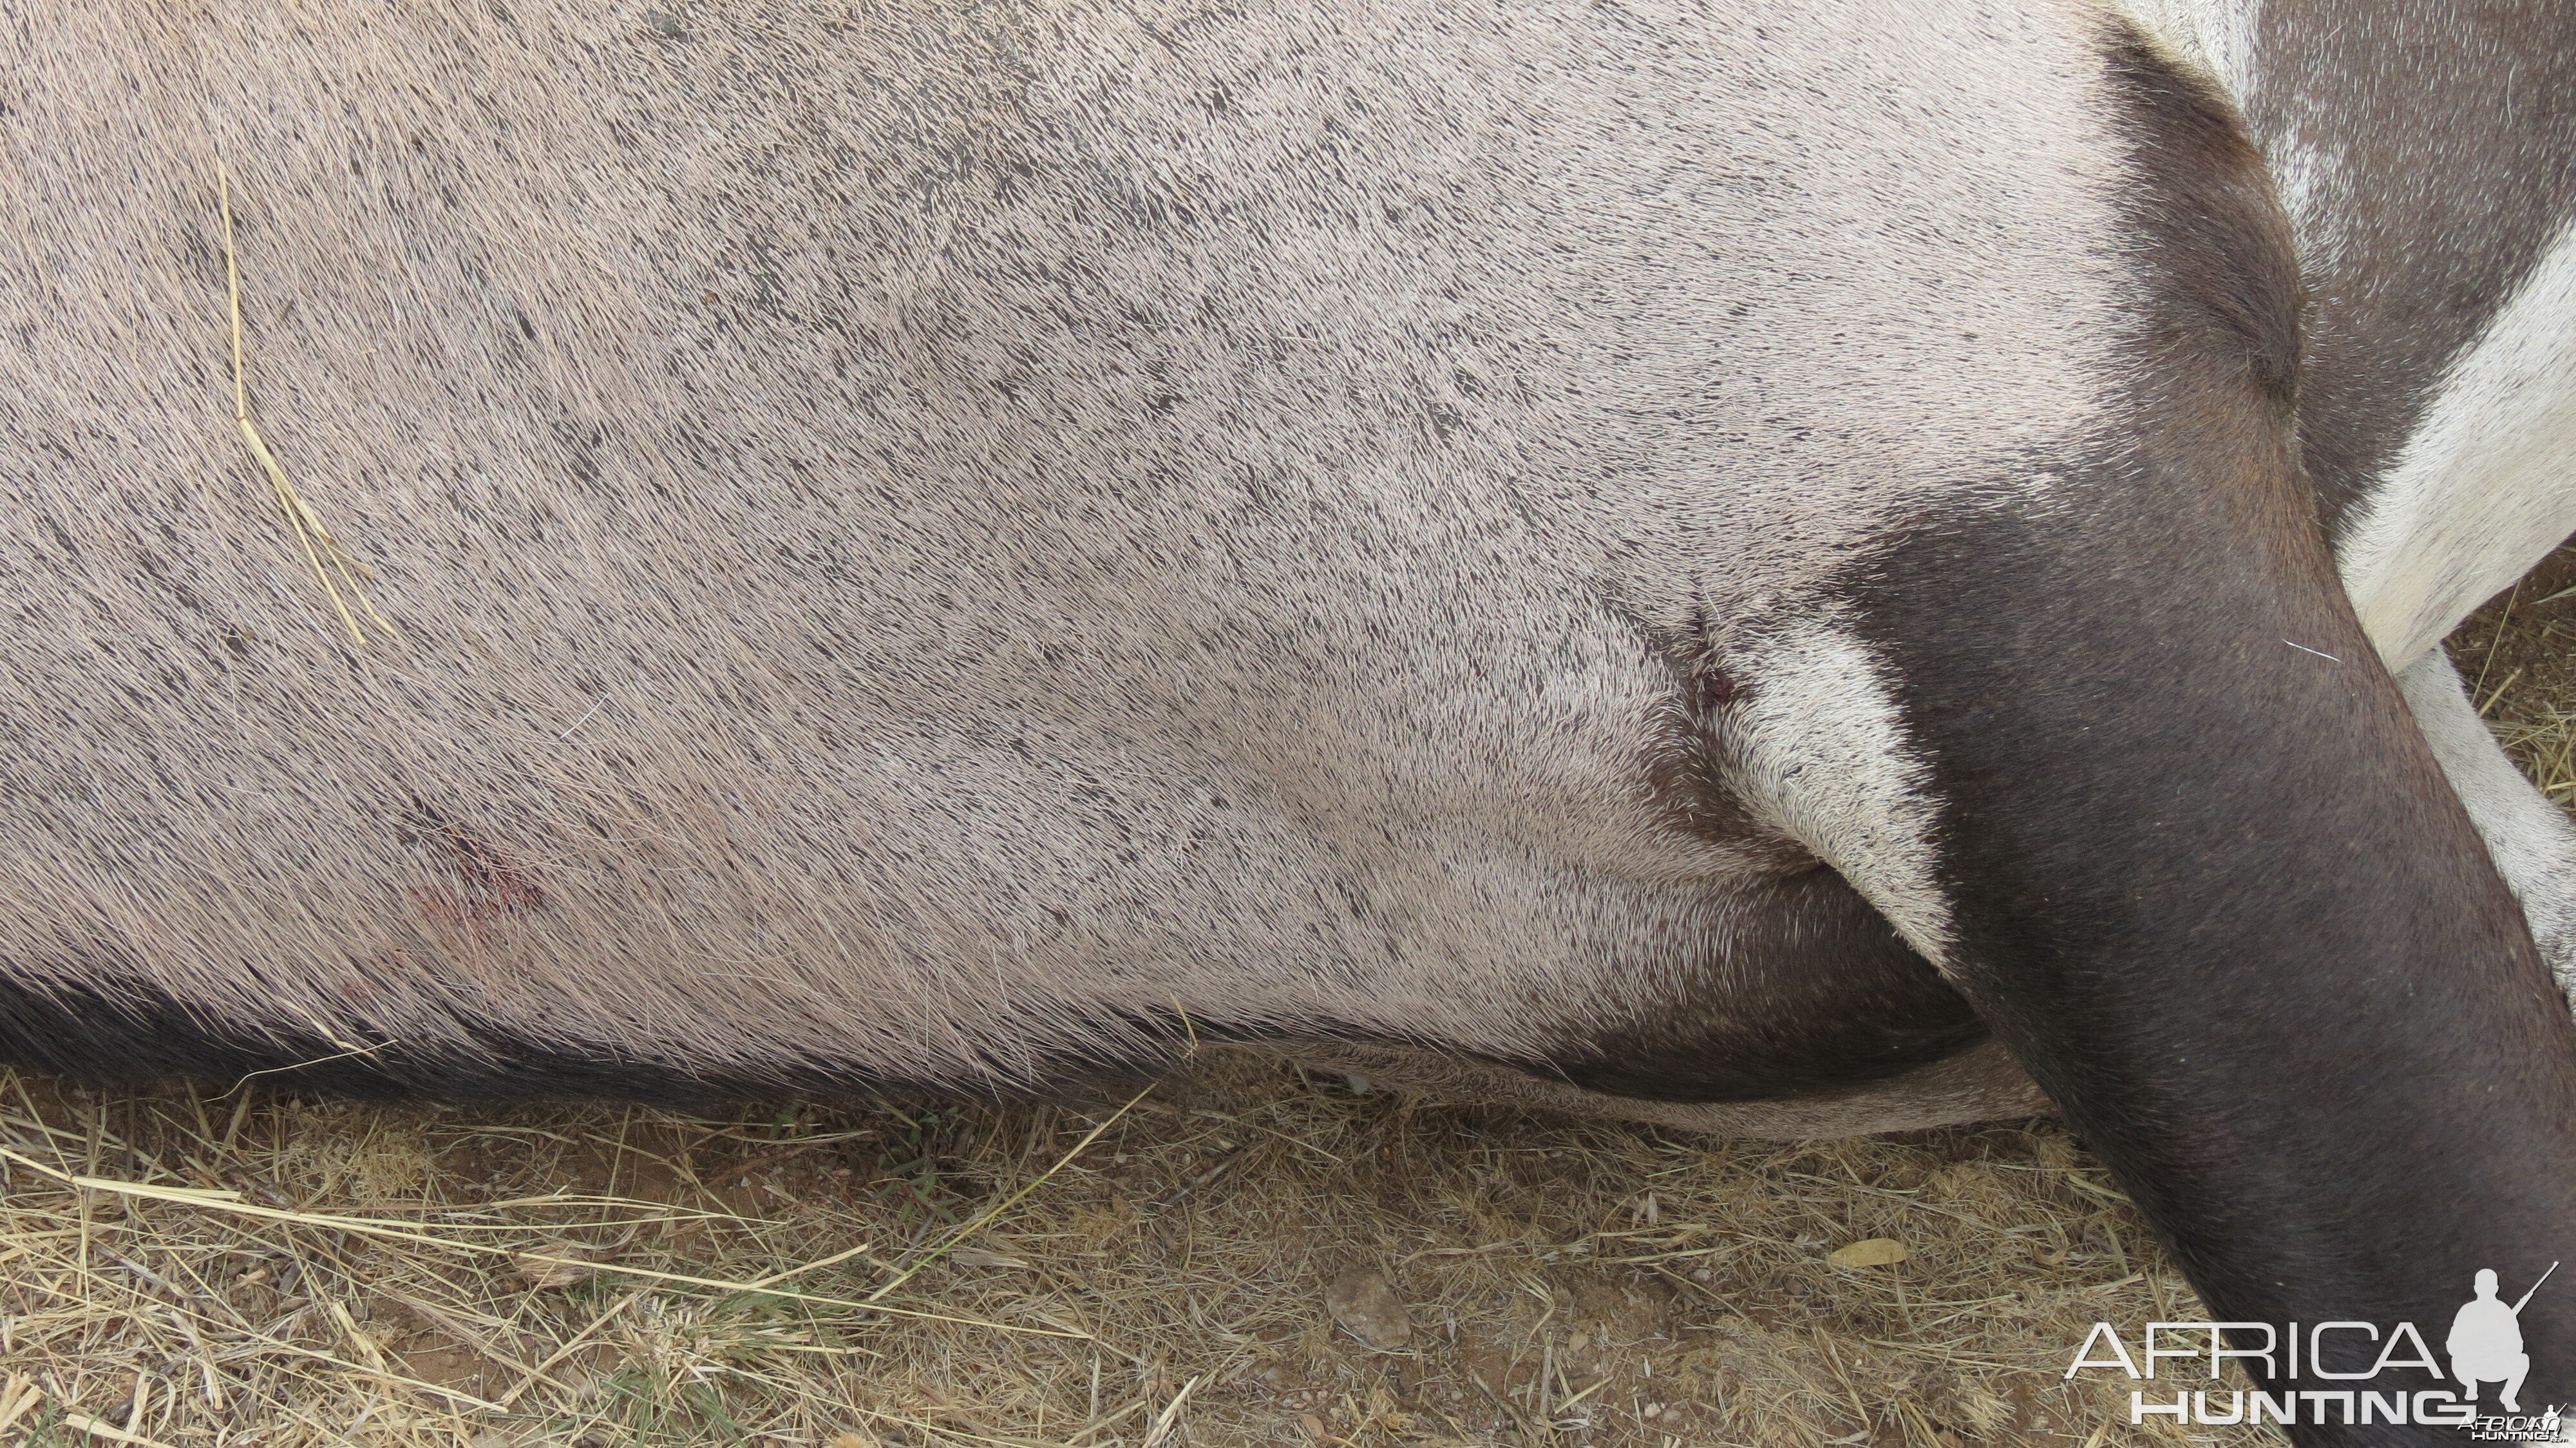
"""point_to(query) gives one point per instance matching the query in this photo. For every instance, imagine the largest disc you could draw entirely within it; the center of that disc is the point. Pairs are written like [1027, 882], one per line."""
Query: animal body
[1771, 568]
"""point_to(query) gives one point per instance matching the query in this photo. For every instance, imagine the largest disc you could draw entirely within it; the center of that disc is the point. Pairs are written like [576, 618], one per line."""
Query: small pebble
[1365, 1305]
[1869, 1252]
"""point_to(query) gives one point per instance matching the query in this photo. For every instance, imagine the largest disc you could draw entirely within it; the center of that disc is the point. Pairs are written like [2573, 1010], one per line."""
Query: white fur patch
[2484, 488]
[1823, 757]
[2216, 35]
[2306, 175]
[2533, 841]
[2221, 37]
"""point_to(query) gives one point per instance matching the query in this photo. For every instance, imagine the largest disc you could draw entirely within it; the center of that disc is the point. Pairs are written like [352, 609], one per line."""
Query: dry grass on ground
[1205, 1267]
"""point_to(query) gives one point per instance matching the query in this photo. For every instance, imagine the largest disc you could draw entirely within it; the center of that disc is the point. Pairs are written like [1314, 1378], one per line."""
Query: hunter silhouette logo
[2486, 1341]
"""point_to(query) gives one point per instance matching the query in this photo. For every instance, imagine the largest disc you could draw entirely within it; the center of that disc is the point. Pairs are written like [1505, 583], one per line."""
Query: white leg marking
[1822, 757]
[2533, 841]
[2484, 488]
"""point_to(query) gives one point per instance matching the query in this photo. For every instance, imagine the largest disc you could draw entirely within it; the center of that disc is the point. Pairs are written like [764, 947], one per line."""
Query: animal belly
[1806, 990]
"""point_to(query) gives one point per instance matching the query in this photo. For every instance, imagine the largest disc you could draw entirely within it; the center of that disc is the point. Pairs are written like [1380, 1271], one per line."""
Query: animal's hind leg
[2532, 839]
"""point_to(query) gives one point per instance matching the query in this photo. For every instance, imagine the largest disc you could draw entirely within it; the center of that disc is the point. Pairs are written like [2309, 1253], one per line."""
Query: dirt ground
[1243, 1255]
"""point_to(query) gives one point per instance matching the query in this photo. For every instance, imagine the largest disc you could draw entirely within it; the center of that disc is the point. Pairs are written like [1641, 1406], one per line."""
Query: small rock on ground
[1365, 1305]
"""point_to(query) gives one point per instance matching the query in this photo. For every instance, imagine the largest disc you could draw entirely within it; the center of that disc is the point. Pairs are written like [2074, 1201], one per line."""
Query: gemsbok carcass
[1785, 568]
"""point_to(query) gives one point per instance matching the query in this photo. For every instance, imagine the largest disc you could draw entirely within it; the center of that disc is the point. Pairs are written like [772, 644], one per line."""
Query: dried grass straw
[272, 1270]
[321, 549]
